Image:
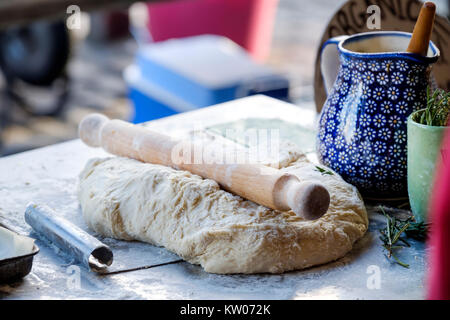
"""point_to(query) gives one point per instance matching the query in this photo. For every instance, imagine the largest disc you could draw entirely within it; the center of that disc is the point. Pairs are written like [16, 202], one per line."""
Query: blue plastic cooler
[184, 74]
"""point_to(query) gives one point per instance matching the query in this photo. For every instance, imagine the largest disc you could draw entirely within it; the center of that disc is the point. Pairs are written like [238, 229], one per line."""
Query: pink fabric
[249, 23]
[439, 241]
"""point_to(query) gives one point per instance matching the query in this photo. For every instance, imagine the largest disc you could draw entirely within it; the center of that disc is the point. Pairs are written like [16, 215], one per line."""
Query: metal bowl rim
[13, 259]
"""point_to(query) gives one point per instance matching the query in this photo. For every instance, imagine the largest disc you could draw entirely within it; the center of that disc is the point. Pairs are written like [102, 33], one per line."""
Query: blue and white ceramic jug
[373, 85]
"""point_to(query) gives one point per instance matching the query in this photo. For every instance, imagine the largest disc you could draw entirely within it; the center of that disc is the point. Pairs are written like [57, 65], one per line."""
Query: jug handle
[329, 61]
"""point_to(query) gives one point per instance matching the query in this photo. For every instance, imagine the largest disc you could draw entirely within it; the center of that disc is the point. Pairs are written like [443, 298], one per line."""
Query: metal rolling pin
[68, 237]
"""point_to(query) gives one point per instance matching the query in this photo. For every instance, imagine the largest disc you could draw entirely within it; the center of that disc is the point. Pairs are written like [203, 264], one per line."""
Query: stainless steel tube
[68, 237]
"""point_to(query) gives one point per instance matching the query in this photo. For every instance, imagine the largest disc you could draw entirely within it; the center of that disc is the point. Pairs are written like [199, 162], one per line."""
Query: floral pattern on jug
[362, 127]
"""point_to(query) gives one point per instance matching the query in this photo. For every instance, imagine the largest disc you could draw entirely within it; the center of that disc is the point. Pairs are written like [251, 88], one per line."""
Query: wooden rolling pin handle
[420, 39]
[90, 129]
[307, 199]
[126, 140]
[283, 192]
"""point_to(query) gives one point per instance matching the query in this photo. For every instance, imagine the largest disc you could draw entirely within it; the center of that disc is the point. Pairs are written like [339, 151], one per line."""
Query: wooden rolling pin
[261, 184]
[420, 39]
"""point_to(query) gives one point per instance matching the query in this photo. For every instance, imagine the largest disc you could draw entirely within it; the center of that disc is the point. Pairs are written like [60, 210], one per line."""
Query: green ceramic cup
[424, 151]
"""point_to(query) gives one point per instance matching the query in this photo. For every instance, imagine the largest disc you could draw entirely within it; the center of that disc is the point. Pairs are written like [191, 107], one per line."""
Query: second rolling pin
[264, 185]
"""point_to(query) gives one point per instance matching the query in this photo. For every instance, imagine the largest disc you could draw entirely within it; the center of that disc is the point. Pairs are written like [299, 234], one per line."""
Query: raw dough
[130, 200]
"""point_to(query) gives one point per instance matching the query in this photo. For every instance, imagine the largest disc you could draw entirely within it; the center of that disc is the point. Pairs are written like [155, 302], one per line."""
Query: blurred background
[116, 60]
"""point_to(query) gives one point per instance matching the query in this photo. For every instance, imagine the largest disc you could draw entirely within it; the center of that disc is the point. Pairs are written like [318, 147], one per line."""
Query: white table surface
[49, 176]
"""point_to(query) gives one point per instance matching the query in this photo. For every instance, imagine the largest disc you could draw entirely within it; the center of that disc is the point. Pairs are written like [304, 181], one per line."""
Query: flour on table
[285, 153]
[191, 216]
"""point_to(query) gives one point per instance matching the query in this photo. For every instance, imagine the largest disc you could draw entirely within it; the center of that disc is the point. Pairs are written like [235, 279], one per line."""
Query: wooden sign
[396, 15]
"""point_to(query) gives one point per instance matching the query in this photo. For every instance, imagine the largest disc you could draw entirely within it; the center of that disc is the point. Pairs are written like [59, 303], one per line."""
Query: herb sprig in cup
[437, 111]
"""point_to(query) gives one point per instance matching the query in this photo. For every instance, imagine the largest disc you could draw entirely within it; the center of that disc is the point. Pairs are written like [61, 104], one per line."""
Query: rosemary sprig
[418, 230]
[392, 234]
[437, 110]
[323, 171]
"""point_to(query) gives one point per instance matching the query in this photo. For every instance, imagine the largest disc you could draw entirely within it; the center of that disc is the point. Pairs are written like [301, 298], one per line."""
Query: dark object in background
[36, 54]
[107, 26]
